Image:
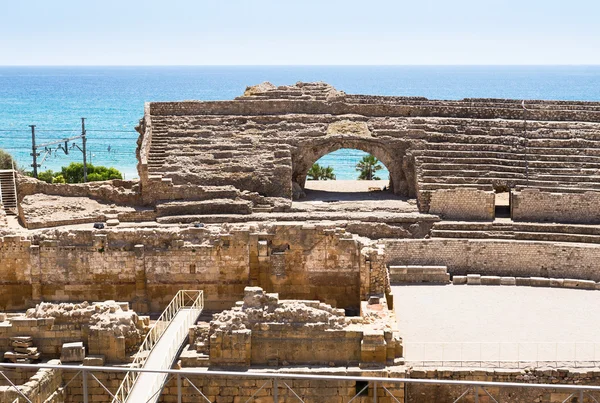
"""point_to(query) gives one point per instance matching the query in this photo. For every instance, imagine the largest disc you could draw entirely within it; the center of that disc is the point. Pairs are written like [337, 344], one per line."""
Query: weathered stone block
[508, 281]
[459, 280]
[473, 279]
[72, 352]
[490, 280]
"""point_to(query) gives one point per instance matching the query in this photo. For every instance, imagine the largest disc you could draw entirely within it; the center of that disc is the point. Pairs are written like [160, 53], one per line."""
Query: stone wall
[74, 391]
[106, 328]
[263, 330]
[230, 390]
[42, 387]
[499, 258]
[576, 208]
[417, 393]
[113, 191]
[266, 140]
[462, 204]
[147, 266]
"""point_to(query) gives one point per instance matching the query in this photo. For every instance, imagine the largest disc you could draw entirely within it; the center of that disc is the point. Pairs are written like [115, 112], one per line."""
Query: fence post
[85, 386]
[374, 392]
[275, 391]
[178, 388]
[476, 394]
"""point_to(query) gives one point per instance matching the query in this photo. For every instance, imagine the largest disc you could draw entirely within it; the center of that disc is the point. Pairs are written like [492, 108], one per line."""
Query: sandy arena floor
[482, 323]
[345, 185]
[352, 195]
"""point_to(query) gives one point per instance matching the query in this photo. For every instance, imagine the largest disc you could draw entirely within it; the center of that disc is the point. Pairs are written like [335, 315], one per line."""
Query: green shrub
[73, 173]
[6, 160]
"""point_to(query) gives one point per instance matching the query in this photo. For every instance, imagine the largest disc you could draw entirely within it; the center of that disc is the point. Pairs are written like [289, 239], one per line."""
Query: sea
[111, 99]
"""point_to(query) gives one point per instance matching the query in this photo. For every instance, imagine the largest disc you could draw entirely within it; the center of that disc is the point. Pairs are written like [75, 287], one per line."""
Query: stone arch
[308, 153]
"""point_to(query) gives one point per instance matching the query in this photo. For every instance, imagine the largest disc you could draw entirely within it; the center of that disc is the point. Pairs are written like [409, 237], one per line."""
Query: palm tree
[367, 168]
[317, 172]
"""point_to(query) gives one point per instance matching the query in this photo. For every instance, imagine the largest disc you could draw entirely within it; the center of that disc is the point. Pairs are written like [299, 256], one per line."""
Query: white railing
[278, 382]
[190, 300]
[503, 354]
[14, 183]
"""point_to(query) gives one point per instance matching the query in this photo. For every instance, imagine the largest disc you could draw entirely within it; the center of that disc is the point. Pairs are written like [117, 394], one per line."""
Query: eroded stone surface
[260, 308]
[41, 210]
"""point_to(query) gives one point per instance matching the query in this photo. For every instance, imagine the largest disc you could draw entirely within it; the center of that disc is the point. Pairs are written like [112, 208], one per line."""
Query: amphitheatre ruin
[477, 261]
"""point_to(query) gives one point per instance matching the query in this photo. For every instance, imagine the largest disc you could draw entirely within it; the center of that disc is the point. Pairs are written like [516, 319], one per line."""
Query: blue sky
[253, 32]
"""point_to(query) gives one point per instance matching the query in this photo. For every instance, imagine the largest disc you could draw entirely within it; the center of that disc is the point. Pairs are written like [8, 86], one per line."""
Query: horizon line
[300, 65]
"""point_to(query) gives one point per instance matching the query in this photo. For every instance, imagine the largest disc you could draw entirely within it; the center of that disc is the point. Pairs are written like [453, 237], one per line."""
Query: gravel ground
[498, 322]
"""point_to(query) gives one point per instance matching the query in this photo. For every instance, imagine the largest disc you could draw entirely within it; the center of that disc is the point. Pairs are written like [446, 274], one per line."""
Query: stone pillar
[373, 349]
[36, 274]
[140, 303]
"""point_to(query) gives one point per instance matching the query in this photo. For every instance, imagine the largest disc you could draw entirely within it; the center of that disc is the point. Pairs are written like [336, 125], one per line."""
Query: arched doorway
[307, 154]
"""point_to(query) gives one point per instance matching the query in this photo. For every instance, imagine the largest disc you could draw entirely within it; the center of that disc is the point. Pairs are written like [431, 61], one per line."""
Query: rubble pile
[24, 352]
[260, 308]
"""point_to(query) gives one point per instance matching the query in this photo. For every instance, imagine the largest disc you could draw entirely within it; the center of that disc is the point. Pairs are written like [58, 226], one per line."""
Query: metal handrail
[501, 353]
[184, 299]
[287, 375]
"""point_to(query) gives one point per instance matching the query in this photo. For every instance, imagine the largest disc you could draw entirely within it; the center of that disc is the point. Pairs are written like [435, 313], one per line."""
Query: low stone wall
[498, 257]
[576, 208]
[230, 390]
[418, 393]
[111, 380]
[114, 191]
[262, 330]
[43, 211]
[147, 266]
[477, 279]
[104, 328]
[462, 204]
[42, 387]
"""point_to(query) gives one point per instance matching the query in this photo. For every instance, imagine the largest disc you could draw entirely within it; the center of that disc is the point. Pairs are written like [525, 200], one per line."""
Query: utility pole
[34, 153]
[83, 141]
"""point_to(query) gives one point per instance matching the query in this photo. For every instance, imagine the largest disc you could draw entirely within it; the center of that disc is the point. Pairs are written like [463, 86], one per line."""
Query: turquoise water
[112, 98]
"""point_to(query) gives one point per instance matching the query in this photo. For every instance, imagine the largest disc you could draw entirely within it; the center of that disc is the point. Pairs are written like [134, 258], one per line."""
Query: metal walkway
[160, 348]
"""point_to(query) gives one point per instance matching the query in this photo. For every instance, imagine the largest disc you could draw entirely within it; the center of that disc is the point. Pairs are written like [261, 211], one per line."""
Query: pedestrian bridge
[160, 348]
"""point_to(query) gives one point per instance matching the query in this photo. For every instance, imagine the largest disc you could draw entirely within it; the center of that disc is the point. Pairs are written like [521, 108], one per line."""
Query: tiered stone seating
[518, 231]
[266, 139]
[549, 158]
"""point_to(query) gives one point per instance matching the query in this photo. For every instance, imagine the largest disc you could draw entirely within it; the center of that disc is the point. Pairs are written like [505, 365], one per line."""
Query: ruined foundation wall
[462, 204]
[114, 191]
[39, 387]
[417, 393]
[499, 258]
[148, 266]
[241, 389]
[575, 208]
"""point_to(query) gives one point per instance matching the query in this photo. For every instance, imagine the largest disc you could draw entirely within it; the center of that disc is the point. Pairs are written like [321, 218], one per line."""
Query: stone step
[213, 206]
[469, 172]
[419, 274]
[424, 186]
[477, 234]
[467, 181]
[557, 237]
[472, 226]
[520, 231]
[510, 154]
